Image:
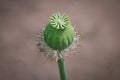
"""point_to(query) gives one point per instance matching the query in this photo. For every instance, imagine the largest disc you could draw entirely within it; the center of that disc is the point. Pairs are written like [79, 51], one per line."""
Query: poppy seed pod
[59, 33]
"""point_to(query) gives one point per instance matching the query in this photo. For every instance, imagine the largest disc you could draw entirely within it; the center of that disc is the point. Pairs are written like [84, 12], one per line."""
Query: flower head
[58, 37]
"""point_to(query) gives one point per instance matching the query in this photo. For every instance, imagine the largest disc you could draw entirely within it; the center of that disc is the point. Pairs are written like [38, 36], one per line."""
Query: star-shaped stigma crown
[59, 21]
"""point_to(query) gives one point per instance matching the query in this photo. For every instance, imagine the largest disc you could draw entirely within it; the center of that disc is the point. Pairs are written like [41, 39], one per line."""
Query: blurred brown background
[98, 22]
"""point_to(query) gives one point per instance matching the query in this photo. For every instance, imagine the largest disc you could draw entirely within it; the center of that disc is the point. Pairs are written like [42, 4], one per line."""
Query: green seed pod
[59, 33]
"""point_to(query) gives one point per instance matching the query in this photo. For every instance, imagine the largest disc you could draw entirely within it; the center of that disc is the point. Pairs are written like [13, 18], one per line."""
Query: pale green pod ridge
[59, 33]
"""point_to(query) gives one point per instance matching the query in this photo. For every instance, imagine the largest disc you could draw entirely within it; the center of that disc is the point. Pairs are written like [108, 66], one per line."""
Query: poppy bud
[59, 33]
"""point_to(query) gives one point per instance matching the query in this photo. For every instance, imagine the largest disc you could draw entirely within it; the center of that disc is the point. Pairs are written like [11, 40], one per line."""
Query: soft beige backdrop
[98, 22]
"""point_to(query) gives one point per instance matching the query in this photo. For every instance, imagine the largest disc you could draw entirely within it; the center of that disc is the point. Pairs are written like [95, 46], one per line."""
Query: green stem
[62, 69]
